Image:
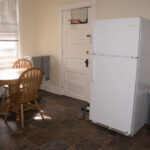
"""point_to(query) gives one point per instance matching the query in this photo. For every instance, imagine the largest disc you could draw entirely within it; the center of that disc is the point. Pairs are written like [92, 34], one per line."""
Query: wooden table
[10, 76]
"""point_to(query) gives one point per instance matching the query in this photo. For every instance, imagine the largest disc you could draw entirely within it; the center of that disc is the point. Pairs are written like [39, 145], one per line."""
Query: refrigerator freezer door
[112, 92]
[116, 37]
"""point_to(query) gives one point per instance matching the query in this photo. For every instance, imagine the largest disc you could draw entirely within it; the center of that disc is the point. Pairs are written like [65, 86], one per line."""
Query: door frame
[73, 5]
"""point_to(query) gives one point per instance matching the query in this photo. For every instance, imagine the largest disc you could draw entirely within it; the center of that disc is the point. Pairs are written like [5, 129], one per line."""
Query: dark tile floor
[63, 129]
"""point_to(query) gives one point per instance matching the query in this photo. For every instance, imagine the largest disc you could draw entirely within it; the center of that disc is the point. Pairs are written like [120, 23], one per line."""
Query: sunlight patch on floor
[38, 117]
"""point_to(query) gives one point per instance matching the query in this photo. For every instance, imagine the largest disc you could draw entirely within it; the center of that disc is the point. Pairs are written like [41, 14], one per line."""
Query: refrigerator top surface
[117, 37]
[120, 19]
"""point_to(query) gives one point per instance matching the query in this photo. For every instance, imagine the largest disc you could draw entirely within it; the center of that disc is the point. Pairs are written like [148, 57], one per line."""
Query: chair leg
[2, 107]
[35, 101]
[5, 93]
[7, 110]
[22, 115]
[17, 117]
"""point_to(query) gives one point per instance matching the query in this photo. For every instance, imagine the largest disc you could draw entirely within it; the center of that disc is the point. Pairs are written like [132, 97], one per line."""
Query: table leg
[17, 117]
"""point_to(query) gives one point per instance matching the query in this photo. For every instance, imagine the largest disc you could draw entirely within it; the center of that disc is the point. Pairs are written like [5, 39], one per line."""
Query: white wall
[40, 24]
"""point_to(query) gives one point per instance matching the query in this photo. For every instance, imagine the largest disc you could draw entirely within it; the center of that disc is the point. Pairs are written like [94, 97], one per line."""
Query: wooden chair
[20, 63]
[20, 98]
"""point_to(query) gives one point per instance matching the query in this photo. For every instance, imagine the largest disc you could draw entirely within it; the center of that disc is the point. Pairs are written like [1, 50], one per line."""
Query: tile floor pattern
[63, 129]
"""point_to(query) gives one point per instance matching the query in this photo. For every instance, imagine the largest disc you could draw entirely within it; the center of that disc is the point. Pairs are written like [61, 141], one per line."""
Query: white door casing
[74, 75]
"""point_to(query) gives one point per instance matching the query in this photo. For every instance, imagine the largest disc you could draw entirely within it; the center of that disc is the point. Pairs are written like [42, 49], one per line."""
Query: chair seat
[6, 86]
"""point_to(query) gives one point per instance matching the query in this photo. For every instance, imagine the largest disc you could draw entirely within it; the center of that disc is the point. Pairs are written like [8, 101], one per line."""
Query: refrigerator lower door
[112, 92]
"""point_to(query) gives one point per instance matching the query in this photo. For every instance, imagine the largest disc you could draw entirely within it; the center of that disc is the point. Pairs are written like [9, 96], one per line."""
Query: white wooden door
[76, 50]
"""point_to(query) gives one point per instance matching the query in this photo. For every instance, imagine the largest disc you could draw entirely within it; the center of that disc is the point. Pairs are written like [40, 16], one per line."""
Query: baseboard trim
[50, 88]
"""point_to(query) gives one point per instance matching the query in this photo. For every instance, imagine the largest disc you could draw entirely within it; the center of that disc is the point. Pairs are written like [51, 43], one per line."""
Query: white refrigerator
[120, 74]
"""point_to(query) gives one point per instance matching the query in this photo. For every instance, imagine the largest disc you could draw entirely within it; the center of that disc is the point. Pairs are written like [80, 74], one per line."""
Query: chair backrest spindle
[30, 80]
[22, 63]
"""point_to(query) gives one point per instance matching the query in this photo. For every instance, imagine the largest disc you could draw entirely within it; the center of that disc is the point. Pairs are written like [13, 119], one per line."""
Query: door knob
[87, 62]
[87, 52]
